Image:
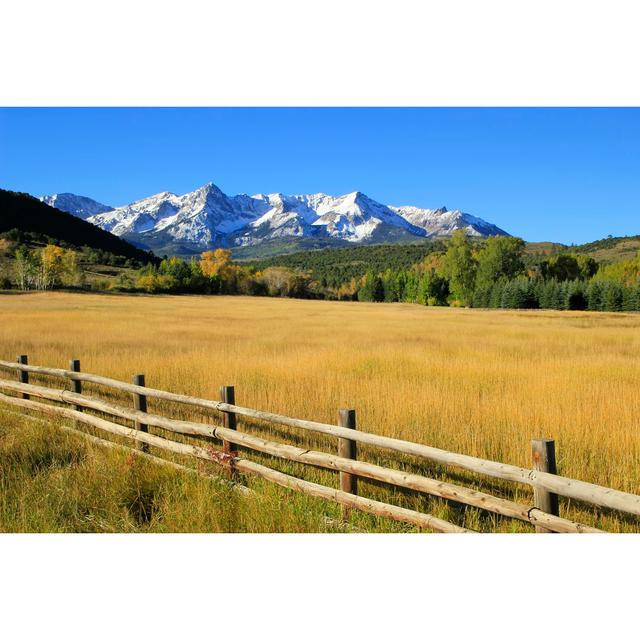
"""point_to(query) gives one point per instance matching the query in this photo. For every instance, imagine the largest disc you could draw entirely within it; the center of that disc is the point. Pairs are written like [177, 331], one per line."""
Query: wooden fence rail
[547, 485]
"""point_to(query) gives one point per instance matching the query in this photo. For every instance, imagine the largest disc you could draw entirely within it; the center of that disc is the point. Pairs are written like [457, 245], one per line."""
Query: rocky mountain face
[79, 206]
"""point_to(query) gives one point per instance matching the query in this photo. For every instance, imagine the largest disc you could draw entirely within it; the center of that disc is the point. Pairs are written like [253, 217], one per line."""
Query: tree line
[465, 273]
[215, 273]
[494, 275]
[334, 267]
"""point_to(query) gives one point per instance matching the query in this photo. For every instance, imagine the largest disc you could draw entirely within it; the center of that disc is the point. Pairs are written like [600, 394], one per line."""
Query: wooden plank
[134, 434]
[288, 452]
[347, 449]
[399, 478]
[23, 376]
[140, 404]
[76, 385]
[568, 487]
[400, 514]
[543, 453]
[61, 395]
[114, 384]
[364, 504]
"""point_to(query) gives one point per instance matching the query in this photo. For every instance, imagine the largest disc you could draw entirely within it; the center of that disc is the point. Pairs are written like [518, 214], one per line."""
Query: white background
[319, 53]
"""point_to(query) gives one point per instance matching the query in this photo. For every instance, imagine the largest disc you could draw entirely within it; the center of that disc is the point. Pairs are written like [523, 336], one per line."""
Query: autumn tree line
[463, 273]
[213, 272]
[46, 268]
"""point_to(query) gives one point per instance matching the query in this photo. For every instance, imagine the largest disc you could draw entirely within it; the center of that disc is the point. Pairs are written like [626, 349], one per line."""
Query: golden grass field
[473, 381]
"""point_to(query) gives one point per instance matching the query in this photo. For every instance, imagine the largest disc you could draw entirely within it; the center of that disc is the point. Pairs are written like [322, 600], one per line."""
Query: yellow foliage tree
[57, 266]
[215, 263]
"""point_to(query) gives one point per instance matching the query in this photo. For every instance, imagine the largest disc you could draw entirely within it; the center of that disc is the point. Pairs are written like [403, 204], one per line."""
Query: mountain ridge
[207, 218]
[80, 206]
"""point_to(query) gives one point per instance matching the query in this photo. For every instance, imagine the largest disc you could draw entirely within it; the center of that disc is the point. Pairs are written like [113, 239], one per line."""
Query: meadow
[481, 382]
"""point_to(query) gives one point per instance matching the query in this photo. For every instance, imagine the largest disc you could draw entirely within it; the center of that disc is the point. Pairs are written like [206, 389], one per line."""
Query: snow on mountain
[79, 206]
[441, 222]
[207, 218]
[203, 217]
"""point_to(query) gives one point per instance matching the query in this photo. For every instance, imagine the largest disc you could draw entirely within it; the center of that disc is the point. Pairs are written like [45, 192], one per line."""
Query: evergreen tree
[576, 296]
[495, 294]
[612, 297]
[595, 295]
[378, 289]
[482, 297]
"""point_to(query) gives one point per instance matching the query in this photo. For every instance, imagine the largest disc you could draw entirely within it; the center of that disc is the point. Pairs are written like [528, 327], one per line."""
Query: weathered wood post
[140, 403]
[76, 385]
[229, 420]
[347, 449]
[23, 376]
[543, 452]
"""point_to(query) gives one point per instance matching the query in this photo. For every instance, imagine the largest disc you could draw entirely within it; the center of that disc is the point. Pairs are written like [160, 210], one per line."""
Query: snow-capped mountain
[353, 217]
[207, 218]
[79, 206]
[441, 222]
[204, 217]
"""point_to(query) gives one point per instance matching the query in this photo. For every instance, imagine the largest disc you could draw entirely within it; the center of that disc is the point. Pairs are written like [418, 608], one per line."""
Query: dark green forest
[335, 267]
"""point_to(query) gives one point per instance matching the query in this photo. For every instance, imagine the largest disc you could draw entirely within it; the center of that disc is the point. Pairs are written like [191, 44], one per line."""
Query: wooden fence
[73, 404]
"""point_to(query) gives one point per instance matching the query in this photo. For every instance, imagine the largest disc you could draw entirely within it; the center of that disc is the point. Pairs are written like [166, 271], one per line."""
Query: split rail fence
[542, 477]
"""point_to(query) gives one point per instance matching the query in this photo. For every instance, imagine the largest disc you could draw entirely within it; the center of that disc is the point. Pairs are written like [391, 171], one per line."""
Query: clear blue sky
[563, 174]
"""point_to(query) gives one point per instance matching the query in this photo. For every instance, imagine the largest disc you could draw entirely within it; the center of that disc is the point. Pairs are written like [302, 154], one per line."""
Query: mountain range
[208, 218]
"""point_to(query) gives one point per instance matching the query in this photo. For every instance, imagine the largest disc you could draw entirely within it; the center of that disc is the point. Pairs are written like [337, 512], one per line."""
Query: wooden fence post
[347, 449]
[229, 420]
[76, 385]
[140, 403]
[23, 376]
[544, 459]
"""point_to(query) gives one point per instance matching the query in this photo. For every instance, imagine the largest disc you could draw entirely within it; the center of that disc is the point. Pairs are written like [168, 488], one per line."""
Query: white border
[334, 52]
[312, 586]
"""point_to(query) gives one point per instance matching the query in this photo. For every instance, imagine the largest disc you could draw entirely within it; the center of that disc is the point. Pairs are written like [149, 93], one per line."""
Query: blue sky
[562, 174]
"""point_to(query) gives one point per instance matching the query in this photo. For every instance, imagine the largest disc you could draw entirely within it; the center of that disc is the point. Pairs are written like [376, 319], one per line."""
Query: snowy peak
[79, 206]
[442, 222]
[207, 218]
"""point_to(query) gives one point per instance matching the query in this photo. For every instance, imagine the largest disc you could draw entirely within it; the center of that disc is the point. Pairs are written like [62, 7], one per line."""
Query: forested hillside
[44, 248]
[334, 267]
[28, 217]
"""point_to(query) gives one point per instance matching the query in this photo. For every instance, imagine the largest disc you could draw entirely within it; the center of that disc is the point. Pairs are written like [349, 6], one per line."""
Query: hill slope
[334, 267]
[610, 250]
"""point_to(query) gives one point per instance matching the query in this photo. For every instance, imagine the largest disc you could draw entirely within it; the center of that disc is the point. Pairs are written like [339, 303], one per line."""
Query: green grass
[54, 481]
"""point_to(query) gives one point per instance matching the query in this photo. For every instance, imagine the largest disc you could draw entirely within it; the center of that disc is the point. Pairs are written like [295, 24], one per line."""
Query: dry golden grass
[478, 382]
